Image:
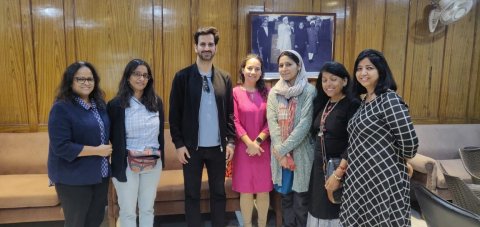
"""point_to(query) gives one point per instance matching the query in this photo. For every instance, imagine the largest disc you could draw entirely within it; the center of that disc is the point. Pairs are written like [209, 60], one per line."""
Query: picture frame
[312, 35]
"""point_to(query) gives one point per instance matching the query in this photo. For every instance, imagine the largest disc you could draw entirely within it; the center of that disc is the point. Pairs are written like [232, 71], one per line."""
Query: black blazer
[119, 141]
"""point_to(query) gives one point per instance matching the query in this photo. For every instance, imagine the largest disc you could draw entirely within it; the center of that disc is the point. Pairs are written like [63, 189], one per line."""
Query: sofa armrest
[113, 208]
[426, 165]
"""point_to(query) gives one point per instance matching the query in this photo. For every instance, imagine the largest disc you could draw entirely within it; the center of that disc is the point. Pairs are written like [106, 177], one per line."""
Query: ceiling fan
[447, 12]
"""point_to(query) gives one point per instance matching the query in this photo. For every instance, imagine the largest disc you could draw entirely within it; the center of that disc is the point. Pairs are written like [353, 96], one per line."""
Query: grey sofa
[439, 143]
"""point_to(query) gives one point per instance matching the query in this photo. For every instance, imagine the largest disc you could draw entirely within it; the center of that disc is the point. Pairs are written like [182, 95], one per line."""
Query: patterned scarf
[286, 117]
[285, 91]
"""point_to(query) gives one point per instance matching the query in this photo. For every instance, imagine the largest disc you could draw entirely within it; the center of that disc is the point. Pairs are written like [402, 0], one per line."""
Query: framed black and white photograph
[312, 35]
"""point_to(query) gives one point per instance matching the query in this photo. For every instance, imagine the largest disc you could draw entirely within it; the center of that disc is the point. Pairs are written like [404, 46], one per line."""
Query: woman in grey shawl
[289, 115]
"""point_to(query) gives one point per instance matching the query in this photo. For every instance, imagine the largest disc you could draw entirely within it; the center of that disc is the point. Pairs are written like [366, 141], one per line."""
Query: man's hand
[229, 152]
[181, 152]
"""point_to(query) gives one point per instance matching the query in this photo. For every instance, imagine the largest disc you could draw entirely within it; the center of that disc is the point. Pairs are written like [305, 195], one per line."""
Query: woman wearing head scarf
[289, 115]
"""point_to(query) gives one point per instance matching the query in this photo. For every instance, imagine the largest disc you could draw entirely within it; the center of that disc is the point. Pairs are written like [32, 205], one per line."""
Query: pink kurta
[250, 174]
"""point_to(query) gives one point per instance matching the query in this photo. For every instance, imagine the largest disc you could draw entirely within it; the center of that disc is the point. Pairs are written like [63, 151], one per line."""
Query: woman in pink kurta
[251, 160]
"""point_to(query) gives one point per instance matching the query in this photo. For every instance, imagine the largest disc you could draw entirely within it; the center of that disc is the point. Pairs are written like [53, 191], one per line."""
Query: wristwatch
[259, 140]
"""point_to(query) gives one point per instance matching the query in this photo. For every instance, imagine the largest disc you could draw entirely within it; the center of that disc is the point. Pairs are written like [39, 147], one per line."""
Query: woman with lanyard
[332, 108]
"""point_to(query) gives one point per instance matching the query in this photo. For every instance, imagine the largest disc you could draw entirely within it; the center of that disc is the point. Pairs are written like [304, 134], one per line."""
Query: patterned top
[377, 187]
[93, 108]
[142, 127]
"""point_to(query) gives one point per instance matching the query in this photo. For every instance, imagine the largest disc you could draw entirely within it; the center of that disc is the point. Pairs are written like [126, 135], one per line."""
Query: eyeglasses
[83, 80]
[145, 76]
[205, 86]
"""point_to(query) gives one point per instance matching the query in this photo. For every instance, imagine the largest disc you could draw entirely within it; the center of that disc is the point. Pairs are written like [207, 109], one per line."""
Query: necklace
[370, 96]
[326, 111]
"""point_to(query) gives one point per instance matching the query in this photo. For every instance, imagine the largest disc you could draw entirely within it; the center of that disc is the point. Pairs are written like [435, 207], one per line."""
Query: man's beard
[206, 55]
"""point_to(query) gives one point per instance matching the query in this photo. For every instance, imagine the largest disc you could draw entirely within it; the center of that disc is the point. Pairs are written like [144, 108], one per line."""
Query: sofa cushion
[26, 190]
[453, 167]
[171, 161]
[171, 186]
[18, 149]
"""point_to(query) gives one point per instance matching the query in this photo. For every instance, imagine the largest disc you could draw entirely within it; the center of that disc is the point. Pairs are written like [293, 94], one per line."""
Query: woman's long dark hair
[125, 92]
[260, 85]
[322, 98]
[65, 92]
[385, 77]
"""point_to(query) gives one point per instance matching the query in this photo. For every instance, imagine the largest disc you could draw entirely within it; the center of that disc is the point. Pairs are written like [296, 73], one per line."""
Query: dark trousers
[83, 205]
[214, 160]
[295, 209]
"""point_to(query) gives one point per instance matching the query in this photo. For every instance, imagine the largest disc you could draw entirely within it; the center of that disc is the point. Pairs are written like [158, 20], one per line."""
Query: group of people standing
[278, 139]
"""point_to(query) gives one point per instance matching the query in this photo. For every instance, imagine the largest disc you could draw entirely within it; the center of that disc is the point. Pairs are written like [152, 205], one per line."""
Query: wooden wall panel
[369, 24]
[292, 6]
[13, 100]
[178, 42]
[157, 63]
[474, 101]
[50, 58]
[395, 39]
[69, 21]
[225, 21]
[424, 66]
[457, 67]
[112, 33]
[29, 66]
[349, 54]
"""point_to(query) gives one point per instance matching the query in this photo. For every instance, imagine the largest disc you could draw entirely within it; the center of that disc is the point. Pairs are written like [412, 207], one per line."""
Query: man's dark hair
[206, 31]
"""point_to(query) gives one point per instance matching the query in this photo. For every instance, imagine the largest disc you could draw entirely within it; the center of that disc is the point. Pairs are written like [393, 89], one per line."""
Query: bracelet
[336, 177]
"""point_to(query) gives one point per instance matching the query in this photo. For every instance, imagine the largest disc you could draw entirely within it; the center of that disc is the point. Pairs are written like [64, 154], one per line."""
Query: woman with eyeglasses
[137, 138]
[78, 129]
